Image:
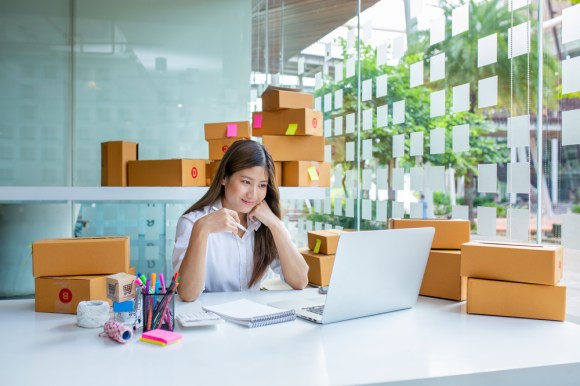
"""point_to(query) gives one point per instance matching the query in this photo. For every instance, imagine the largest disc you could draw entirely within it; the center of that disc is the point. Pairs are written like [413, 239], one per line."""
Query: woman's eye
[263, 186]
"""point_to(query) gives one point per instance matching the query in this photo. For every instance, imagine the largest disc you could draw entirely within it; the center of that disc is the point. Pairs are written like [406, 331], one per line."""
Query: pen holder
[158, 311]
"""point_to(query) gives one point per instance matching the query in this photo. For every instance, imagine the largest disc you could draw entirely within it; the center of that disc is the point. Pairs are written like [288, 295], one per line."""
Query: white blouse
[229, 258]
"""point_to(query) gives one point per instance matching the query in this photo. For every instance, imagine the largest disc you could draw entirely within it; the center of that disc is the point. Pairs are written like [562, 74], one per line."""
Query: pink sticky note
[257, 121]
[232, 130]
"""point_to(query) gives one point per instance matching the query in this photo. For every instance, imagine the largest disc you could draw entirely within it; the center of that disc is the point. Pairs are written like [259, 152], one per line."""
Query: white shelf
[109, 193]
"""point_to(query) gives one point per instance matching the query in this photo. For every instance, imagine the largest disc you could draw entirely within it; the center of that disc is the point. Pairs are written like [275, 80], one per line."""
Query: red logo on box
[65, 295]
[224, 148]
[194, 172]
[314, 122]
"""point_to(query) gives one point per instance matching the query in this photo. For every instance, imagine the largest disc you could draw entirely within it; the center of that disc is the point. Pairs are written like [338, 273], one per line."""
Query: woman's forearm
[294, 268]
[192, 269]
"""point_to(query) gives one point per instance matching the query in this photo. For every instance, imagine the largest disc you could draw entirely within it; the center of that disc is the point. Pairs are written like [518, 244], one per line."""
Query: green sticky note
[291, 130]
[317, 246]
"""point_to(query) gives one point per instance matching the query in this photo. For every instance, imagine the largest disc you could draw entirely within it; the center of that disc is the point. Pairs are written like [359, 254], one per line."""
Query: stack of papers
[160, 337]
[251, 314]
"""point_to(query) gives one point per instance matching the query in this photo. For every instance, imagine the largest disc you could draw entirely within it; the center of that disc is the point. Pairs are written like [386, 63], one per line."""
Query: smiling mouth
[247, 202]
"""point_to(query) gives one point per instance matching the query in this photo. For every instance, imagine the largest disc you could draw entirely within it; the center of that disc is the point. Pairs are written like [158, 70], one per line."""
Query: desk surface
[433, 343]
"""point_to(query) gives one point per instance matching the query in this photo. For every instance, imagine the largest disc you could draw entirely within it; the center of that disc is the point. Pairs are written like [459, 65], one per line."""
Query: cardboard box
[290, 122]
[526, 263]
[63, 294]
[114, 158]
[80, 256]
[169, 172]
[306, 173]
[223, 130]
[218, 147]
[274, 98]
[328, 240]
[320, 266]
[442, 278]
[210, 171]
[121, 287]
[449, 234]
[279, 172]
[521, 300]
[294, 147]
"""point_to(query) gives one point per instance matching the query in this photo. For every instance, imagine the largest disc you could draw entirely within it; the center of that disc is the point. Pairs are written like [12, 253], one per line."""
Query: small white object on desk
[199, 318]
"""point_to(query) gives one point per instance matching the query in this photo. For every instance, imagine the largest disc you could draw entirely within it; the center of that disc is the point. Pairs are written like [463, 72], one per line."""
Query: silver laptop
[374, 272]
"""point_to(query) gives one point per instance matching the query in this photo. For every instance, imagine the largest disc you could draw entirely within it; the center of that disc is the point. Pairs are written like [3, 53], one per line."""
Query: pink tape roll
[117, 331]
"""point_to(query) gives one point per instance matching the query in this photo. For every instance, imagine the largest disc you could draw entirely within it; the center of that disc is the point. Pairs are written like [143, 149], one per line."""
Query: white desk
[435, 343]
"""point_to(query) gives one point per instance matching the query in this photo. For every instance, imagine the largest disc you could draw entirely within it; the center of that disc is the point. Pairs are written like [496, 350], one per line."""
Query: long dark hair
[245, 154]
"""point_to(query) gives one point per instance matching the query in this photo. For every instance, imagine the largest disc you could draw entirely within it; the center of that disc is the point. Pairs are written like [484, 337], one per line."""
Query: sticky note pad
[313, 173]
[232, 130]
[317, 246]
[257, 124]
[291, 130]
[162, 336]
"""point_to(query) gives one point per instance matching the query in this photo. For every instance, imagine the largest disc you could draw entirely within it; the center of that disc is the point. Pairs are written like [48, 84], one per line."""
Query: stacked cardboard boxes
[442, 278]
[120, 167]
[68, 271]
[292, 132]
[320, 255]
[518, 280]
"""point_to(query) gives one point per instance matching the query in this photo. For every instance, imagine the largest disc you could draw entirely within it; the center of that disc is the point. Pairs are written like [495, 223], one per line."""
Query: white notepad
[251, 314]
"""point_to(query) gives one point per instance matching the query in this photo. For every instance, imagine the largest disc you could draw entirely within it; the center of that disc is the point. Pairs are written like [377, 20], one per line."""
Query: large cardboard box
[442, 278]
[169, 172]
[114, 158]
[294, 147]
[320, 266]
[63, 294]
[449, 234]
[80, 256]
[306, 173]
[218, 147]
[328, 240]
[521, 300]
[526, 263]
[221, 130]
[290, 122]
[274, 98]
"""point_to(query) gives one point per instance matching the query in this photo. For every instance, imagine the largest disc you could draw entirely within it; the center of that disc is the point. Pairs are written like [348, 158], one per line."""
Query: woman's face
[245, 189]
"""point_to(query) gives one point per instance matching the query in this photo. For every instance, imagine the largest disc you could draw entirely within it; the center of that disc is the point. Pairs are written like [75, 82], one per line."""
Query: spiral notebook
[251, 314]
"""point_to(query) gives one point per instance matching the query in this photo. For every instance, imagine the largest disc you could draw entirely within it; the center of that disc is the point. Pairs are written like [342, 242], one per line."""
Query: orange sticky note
[257, 123]
[232, 130]
[317, 246]
[291, 130]
[313, 173]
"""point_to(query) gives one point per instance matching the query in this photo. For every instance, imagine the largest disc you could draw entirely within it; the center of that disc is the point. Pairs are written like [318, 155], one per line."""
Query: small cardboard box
[328, 240]
[320, 266]
[306, 173]
[80, 256]
[223, 130]
[63, 294]
[290, 122]
[526, 263]
[449, 234]
[274, 98]
[294, 147]
[218, 147]
[114, 158]
[169, 172]
[521, 300]
[442, 276]
[121, 287]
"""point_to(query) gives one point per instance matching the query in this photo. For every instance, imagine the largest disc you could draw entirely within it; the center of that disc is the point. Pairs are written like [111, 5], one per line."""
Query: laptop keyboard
[316, 309]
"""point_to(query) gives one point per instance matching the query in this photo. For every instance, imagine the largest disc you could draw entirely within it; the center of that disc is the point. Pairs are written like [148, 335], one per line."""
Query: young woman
[212, 253]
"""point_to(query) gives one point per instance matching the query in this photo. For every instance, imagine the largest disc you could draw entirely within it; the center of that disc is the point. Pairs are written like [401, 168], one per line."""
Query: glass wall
[431, 108]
